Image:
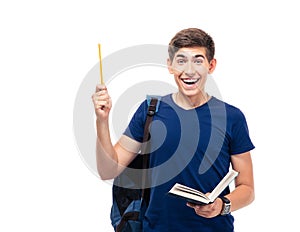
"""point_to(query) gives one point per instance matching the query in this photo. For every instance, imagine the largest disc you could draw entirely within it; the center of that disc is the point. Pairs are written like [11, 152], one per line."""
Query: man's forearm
[106, 156]
[242, 196]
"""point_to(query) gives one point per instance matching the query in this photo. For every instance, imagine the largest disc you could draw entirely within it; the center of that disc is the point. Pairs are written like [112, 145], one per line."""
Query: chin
[190, 92]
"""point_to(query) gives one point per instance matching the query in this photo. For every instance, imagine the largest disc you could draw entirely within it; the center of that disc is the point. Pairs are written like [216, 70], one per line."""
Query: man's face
[190, 68]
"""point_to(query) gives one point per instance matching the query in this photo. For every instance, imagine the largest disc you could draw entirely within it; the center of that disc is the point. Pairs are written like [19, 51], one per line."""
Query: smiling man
[200, 131]
[190, 68]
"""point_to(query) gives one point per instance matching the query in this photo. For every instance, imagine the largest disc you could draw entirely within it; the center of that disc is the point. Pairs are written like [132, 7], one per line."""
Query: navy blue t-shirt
[192, 147]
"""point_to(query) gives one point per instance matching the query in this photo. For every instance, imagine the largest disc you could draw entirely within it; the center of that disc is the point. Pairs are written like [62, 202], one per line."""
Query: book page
[197, 197]
[191, 191]
[189, 194]
[223, 184]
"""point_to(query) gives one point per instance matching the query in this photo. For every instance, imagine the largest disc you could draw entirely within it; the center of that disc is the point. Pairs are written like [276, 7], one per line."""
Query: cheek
[177, 69]
[201, 69]
[177, 73]
[177, 81]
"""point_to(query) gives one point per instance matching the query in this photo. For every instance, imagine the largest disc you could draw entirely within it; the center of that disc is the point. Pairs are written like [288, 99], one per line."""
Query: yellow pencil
[100, 62]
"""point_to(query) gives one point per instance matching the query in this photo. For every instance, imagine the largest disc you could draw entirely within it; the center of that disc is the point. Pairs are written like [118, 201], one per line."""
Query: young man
[200, 139]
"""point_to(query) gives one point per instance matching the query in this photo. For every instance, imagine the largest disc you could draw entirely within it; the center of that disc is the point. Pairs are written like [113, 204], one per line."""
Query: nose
[190, 70]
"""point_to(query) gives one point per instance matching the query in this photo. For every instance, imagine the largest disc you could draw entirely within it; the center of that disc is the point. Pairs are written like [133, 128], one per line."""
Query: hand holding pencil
[101, 99]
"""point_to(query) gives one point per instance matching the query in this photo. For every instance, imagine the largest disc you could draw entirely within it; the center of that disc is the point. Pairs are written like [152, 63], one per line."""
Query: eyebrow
[196, 56]
[180, 55]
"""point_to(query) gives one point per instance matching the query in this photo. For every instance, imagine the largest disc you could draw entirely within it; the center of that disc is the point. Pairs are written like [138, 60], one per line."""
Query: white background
[47, 48]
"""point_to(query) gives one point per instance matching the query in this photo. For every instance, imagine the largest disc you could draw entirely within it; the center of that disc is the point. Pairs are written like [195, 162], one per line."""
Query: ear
[212, 66]
[170, 68]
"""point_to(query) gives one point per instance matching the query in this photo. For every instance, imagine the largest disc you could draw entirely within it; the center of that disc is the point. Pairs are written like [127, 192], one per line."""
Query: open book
[196, 197]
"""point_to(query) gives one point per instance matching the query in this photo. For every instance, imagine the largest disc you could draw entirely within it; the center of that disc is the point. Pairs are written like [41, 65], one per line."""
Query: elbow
[106, 170]
[252, 196]
[105, 178]
[105, 174]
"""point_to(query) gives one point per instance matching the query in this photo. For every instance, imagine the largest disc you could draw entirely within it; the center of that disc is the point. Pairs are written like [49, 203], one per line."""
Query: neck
[188, 102]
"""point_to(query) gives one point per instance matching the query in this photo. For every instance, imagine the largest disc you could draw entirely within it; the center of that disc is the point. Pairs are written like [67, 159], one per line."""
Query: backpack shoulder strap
[156, 104]
[153, 103]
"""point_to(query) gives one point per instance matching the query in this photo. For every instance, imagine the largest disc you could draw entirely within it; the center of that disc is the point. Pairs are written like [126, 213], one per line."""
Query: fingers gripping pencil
[102, 85]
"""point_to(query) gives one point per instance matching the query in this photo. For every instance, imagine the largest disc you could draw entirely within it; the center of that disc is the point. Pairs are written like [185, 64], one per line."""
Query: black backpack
[130, 201]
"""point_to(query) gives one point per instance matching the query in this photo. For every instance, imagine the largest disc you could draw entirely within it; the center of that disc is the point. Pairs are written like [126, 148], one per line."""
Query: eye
[198, 61]
[181, 61]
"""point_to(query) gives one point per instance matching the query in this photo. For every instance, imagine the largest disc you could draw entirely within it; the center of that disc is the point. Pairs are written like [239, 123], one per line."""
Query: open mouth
[190, 81]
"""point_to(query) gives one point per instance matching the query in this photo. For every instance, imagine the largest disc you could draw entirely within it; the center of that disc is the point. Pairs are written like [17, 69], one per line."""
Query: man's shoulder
[161, 99]
[231, 110]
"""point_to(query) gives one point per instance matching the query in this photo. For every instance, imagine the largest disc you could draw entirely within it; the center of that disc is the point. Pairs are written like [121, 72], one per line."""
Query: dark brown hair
[192, 37]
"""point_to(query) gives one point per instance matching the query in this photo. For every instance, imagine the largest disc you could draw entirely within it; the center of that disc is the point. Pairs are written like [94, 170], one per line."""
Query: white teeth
[190, 81]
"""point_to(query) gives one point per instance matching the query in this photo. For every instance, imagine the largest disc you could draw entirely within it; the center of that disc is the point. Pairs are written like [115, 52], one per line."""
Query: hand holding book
[197, 197]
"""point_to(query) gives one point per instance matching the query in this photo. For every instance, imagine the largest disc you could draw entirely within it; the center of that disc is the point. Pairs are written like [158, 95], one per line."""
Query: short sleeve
[240, 139]
[135, 128]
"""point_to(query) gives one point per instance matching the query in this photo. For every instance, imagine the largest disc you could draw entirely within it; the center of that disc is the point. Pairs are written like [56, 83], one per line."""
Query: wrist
[102, 127]
[226, 206]
[100, 121]
[219, 205]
